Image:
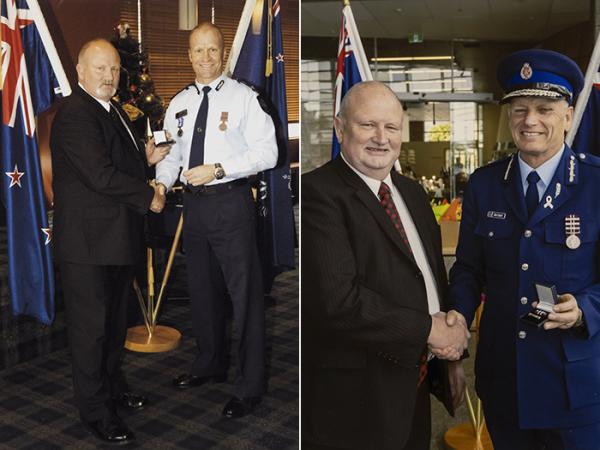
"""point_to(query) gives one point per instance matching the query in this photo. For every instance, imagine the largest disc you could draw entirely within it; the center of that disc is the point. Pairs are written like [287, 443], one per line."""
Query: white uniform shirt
[245, 147]
[433, 299]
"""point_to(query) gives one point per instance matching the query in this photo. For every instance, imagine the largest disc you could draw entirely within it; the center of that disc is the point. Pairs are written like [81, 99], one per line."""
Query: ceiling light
[412, 58]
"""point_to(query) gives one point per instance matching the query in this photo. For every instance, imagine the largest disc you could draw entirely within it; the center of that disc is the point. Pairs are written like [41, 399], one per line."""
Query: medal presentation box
[547, 298]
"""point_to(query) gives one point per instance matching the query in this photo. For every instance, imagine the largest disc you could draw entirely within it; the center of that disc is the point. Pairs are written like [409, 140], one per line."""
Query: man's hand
[456, 375]
[566, 314]
[159, 199]
[200, 175]
[448, 341]
[156, 154]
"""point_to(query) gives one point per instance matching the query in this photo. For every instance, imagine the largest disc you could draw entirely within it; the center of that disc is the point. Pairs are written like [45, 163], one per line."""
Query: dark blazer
[507, 252]
[365, 319]
[100, 192]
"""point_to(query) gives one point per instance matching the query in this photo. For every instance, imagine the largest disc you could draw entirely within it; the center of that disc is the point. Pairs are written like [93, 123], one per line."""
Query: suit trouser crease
[96, 300]
[222, 255]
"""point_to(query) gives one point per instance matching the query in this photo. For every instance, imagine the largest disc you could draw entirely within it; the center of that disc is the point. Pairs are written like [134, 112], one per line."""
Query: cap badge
[526, 71]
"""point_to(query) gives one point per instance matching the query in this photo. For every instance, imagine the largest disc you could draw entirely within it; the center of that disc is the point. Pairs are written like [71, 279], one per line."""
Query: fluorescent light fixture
[412, 58]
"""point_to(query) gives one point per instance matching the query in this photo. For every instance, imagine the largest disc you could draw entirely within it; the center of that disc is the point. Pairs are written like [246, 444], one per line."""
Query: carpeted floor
[37, 410]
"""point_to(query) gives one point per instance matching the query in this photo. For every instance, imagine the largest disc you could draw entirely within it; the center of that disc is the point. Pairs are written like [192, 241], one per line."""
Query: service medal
[224, 118]
[572, 230]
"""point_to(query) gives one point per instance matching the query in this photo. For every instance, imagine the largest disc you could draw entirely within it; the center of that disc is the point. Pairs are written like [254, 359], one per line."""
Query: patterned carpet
[37, 409]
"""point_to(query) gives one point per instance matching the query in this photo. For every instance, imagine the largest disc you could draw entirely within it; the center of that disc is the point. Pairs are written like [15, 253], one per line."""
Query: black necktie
[197, 149]
[118, 118]
[531, 196]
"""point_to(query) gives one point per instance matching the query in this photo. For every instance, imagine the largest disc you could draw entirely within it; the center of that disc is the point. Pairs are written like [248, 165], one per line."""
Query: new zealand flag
[260, 62]
[32, 78]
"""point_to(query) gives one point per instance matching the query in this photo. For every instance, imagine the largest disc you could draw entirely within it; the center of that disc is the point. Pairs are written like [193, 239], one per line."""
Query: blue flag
[260, 63]
[32, 77]
[352, 65]
[587, 139]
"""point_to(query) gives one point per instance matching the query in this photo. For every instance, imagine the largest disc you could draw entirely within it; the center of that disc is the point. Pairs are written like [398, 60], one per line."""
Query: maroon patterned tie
[385, 198]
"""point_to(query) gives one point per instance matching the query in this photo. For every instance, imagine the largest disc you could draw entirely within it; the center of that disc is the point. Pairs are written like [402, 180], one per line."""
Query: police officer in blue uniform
[534, 217]
[222, 135]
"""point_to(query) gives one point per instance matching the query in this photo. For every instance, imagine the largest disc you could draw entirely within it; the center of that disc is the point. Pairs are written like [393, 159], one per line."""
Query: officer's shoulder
[589, 159]
[184, 91]
[252, 91]
[496, 165]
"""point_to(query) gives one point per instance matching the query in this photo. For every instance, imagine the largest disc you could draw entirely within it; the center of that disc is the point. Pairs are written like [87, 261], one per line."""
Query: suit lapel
[513, 189]
[121, 127]
[366, 197]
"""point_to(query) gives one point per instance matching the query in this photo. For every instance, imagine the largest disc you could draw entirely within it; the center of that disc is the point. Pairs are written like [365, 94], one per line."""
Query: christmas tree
[136, 88]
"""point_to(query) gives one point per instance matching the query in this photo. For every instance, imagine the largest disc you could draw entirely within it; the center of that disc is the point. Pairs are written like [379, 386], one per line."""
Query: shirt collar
[213, 84]
[372, 183]
[105, 105]
[545, 171]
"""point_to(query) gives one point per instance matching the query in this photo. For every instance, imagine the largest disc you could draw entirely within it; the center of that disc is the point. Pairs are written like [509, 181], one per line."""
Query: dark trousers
[220, 244]
[506, 435]
[96, 300]
[420, 431]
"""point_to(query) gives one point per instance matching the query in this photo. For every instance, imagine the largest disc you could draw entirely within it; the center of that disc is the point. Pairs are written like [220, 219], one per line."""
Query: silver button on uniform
[523, 300]
[527, 233]
[524, 266]
[522, 335]
[491, 234]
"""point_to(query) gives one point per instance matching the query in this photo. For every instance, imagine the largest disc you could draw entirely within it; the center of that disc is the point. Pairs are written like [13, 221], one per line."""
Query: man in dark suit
[100, 198]
[373, 284]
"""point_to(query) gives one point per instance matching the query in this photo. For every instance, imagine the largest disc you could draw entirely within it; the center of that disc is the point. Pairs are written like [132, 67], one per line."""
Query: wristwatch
[219, 172]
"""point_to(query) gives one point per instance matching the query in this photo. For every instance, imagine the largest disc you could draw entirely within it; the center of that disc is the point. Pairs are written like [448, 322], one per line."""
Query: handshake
[160, 196]
[449, 335]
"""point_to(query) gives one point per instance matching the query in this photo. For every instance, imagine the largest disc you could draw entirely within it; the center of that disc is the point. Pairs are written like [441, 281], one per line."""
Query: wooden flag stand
[150, 337]
[473, 435]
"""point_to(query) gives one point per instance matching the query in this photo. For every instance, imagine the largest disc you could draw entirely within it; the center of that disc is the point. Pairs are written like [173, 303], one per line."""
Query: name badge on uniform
[179, 116]
[496, 215]
[224, 118]
[572, 231]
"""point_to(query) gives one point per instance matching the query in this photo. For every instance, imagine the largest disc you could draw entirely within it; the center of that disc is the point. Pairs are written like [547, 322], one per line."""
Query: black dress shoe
[239, 407]
[187, 380]
[131, 401]
[112, 431]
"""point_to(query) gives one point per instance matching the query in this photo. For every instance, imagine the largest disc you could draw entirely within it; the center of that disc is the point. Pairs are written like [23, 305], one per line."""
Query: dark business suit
[365, 318]
[100, 196]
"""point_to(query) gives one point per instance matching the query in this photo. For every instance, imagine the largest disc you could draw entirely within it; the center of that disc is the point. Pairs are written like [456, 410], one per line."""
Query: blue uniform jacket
[550, 378]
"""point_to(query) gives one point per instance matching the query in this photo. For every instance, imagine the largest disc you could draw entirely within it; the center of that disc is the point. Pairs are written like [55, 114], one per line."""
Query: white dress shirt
[239, 134]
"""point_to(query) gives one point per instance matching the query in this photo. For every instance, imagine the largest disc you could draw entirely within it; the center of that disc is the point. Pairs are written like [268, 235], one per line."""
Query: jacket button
[522, 335]
[524, 266]
[527, 233]
[491, 234]
[523, 300]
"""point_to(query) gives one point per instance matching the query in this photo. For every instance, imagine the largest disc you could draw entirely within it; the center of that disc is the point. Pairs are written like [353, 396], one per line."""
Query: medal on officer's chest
[572, 231]
[179, 116]
[224, 118]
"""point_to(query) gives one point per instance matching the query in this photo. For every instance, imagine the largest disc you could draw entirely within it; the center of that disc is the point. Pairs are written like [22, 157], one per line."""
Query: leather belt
[216, 188]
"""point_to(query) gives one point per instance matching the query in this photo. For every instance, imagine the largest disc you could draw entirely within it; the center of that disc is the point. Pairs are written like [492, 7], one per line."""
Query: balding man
[222, 136]
[100, 198]
[373, 284]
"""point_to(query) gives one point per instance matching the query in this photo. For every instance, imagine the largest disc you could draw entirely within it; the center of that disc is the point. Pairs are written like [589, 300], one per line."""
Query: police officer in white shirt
[222, 135]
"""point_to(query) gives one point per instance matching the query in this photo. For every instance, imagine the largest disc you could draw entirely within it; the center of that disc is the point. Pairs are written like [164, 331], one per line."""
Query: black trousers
[96, 300]
[420, 433]
[220, 244]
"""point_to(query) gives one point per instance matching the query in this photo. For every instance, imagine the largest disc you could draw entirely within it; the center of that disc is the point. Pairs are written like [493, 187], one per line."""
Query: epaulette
[264, 103]
[588, 158]
[185, 89]
[500, 161]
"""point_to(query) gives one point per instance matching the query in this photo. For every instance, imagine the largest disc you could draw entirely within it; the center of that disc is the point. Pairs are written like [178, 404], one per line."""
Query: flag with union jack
[257, 57]
[32, 77]
[352, 65]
